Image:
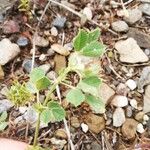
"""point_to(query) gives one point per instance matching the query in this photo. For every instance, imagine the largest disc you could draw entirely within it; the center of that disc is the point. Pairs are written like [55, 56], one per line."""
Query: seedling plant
[85, 43]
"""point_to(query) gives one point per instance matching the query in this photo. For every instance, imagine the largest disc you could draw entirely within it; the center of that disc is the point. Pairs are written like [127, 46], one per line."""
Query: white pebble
[140, 128]
[84, 127]
[145, 118]
[131, 84]
[54, 31]
[42, 57]
[22, 110]
[87, 11]
[133, 103]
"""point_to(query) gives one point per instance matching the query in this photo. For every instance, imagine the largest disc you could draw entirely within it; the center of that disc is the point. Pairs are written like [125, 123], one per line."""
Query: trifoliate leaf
[3, 125]
[42, 83]
[94, 35]
[92, 81]
[93, 49]
[86, 88]
[75, 97]
[95, 103]
[3, 116]
[36, 74]
[80, 40]
[53, 113]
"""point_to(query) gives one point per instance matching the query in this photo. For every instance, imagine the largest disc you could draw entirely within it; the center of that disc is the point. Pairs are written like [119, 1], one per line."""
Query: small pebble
[27, 64]
[84, 127]
[145, 118]
[120, 26]
[133, 103]
[119, 101]
[22, 110]
[131, 84]
[88, 13]
[54, 31]
[45, 67]
[147, 52]
[42, 57]
[22, 41]
[59, 22]
[140, 128]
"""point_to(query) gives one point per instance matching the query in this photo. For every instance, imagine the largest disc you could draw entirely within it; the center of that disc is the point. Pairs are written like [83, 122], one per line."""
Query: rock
[42, 57]
[106, 95]
[45, 67]
[60, 63]
[84, 127]
[129, 111]
[129, 128]
[1, 73]
[75, 122]
[59, 22]
[1, 18]
[144, 1]
[119, 101]
[133, 103]
[88, 12]
[10, 27]
[5, 105]
[8, 51]
[134, 16]
[52, 75]
[145, 8]
[22, 41]
[140, 128]
[19, 120]
[130, 52]
[60, 49]
[120, 26]
[23, 109]
[147, 52]
[122, 89]
[68, 46]
[145, 117]
[31, 115]
[118, 117]
[58, 143]
[144, 78]
[41, 42]
[141, 37]
[139, 116]
[27, 64]
[95, 146]
[61, 133]
[131, 84]
[95, 123]
[54, 31]
[4, 91]
[50, 52]
[146, 107]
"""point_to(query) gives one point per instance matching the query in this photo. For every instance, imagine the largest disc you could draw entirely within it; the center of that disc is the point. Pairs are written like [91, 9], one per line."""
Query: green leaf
[95, 103]
[31, 87]
[92, 81]
[53, 113]
[3, 116]
[36, 74]
[42, 83]
[3, 125]
[94, 35]
[93, 49]
[75, 97]
[80, 40]
[86, 88]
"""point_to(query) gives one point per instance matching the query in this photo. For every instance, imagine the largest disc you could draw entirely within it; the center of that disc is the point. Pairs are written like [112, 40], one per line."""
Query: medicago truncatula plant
[86, 44]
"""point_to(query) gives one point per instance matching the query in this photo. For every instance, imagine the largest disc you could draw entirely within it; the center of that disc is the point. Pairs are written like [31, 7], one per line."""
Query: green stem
[37, 131]
[58, 81]
[53, 87]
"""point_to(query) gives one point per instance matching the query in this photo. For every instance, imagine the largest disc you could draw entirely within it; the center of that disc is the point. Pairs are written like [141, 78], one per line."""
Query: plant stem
[53, 87]
[58, 80]
[37, 130]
